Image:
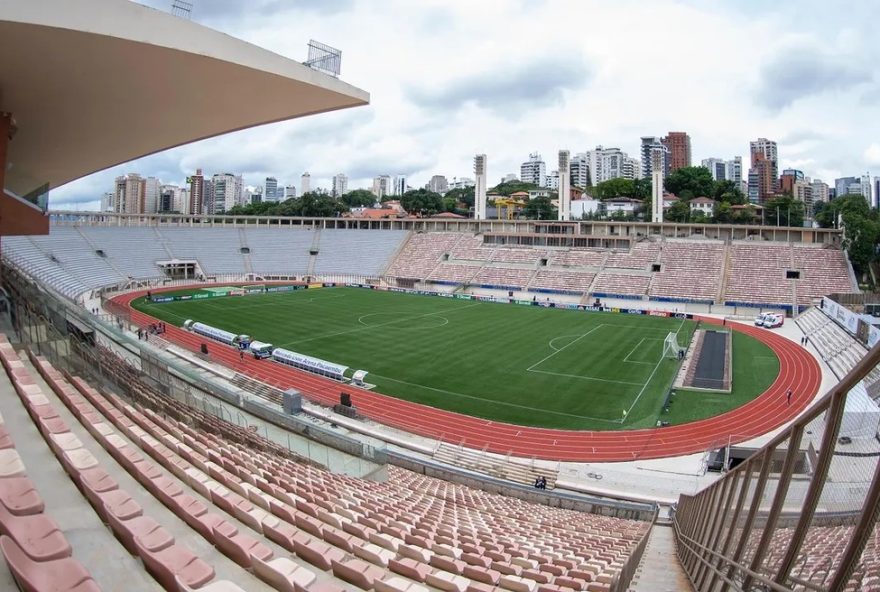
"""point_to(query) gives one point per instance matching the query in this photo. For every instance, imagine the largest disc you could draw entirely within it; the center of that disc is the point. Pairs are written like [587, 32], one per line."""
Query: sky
[452, 78]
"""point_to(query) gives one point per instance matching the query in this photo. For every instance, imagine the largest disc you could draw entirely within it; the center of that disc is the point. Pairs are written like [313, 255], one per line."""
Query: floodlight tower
[657, 178]
[182, 8]
[480, 187]
[564, 185]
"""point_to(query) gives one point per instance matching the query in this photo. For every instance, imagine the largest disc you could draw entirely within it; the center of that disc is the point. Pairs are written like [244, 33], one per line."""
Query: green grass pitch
[524, 365]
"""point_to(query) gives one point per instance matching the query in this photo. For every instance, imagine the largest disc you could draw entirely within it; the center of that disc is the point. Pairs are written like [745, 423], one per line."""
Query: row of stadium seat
[840, 350]
[405, 532]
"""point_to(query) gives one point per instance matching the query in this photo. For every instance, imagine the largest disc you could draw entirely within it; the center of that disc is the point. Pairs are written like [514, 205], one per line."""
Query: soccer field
[524, 365]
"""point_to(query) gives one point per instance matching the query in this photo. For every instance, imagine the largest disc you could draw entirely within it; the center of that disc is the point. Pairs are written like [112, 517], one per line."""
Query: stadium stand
[356, 252]
[257, 506]
[279, 251]
[76, 259]
[621, 284]
[840, 350]
[421, 254]
[689, 270]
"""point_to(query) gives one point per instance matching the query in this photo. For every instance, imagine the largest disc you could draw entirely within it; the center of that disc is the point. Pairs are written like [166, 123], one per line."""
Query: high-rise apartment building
[340, 185]
[579, 168]
[227, 192]
[400, 185]
[289, 192]
[764, 171]
[151, 195]
[305, 183]
[128, 194]
[717, 167]
[653, 152]
[552, 180]
[196, 193]
[534, 170]
[438, 184]
[382, 186]
[107, 201]
[270, 190]
[788, 179]
[819, 190]
[678, 147]
[611, 163]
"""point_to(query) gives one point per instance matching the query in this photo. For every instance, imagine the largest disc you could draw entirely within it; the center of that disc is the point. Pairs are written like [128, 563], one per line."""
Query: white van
[260, 350]
[769, 320]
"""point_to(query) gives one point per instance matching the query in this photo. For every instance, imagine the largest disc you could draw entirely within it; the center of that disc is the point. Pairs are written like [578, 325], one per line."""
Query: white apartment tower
[305, 183]
[340, 185]
[564, 185]
[152, 192]
[534, 170]
[382, 186]
[480, 187]
[399, 185]
[128, 194]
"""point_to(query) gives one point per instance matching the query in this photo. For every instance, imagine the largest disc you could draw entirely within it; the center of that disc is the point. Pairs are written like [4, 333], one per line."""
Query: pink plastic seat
[19, 496]
[37, 535]
[239, 547]
[60, 575]
[283, 574]
[152, 535]
[318, 553]
[174, 562]
[119, 503]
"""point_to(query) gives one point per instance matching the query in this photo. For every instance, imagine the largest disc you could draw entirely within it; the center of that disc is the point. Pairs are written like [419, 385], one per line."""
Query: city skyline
[810, 88]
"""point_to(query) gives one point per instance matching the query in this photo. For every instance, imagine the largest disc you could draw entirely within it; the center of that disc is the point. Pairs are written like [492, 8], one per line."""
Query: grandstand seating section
[289, 523]
[840, 350]
[701, 270]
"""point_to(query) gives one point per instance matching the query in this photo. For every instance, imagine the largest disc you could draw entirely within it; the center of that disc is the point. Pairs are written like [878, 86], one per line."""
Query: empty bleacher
[297, 526]
[840, 350]
[276, 251]
[621, 284]
[564, 281]
[356, 252]
[503, 276]
[421, 254]
[689, 270]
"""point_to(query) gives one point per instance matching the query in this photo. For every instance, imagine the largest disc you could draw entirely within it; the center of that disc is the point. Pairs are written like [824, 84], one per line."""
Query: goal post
[671, 348]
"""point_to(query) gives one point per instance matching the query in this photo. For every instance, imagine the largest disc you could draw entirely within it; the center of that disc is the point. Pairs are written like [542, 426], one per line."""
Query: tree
[421, 201]
[697, 180]
[727, 191]
[784, 211]
[540, 208]
[679, 211]
[464, 195]
[358, 198]
[511, 187]
[617, 187]
[861, 227]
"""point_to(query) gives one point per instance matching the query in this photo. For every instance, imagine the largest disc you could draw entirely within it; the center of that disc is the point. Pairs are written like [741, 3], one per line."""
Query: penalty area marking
[626, 359]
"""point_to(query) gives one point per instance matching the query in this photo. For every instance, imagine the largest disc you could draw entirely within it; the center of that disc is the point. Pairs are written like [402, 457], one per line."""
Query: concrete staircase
[660, 570]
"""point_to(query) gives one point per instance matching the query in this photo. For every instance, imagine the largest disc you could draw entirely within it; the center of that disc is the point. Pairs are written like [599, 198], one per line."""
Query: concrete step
[660, 570]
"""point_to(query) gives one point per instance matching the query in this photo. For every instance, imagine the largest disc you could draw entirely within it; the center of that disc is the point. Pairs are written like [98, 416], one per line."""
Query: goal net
[671, 348]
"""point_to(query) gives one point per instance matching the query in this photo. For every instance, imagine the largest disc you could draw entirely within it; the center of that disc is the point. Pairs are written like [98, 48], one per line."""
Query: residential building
[340, 185]
[227, 192]
[534, 170]
[151, 195]
[865, 186]
[579, 168]
[653, 150]
[552, 180]
[765, 164]
[208, 200]
[305, 183]
[703, 205]
[438, 184]
[289, 192]
[611, 163]
[128, 194]
[171, 199]
[107, 201]
[382, 186]
[678, 147]
[788, 179]
[400, 186]
[854, 186]
[196, 193]
[717, 167]
[462, 183]
[270, 190]
[876, 192]
[509, 177]
[819, 191]
[626, 206]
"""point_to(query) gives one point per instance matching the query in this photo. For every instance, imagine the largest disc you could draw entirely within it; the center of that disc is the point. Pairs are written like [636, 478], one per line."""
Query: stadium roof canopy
[94, 83]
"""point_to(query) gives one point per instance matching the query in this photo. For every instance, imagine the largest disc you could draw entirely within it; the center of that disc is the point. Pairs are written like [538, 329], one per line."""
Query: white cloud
[450, 78]
[872, 154]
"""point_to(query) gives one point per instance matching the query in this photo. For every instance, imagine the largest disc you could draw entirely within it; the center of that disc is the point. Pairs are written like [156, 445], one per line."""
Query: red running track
[798, 371]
